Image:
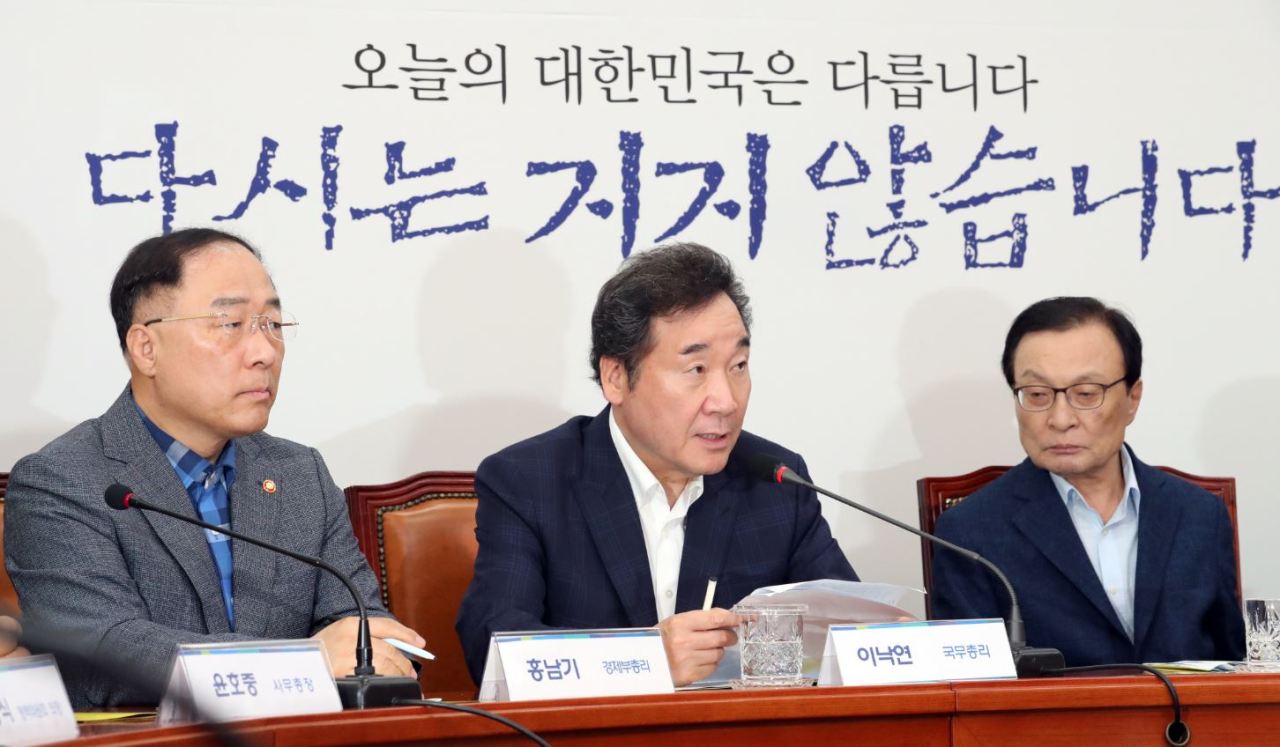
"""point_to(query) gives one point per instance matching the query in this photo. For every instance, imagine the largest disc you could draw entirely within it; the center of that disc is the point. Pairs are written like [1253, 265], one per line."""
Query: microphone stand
[364, 688]
[1028, 661]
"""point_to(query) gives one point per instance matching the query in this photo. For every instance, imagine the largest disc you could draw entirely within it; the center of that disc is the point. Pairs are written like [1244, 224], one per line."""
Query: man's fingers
[389, 667]
[721, 618]
[695, 642]
[385, 627]
[709, 657]
[712, 619]
[707, 640]
[696, 665]
[384, 655]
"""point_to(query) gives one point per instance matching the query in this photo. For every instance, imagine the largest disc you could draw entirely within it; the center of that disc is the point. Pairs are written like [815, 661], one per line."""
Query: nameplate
[231, 681]
[575, 664]
[920, 651]
[34, 708]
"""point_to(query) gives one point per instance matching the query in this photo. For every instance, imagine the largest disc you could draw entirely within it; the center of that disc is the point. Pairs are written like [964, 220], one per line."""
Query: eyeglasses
[279, 326]
[1079, 396]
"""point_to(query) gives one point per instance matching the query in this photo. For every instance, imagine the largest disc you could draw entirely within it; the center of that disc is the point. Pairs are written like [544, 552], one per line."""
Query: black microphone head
[767, 467]
[117, 497]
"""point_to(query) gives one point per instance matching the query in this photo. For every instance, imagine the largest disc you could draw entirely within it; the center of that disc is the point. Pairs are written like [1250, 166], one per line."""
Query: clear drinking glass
[769, 639]
[1262, 632]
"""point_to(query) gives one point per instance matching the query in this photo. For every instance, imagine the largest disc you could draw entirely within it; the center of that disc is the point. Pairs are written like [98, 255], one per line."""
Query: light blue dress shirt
[1112, 547]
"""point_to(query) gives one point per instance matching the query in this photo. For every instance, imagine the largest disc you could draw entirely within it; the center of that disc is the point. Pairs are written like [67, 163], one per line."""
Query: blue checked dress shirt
[208, 485]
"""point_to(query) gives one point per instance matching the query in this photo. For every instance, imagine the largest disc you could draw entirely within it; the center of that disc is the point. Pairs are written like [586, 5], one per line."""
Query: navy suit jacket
[1185, 597]
[561, 544]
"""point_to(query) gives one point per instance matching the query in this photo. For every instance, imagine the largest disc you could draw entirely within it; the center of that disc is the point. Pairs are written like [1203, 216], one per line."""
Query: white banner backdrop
[439, 190]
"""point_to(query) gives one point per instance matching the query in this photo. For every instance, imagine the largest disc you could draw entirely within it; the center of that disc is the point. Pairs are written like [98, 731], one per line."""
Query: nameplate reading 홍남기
[574, 664]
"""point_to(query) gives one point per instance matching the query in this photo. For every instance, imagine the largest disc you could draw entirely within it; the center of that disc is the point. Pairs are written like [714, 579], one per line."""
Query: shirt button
[669, 593]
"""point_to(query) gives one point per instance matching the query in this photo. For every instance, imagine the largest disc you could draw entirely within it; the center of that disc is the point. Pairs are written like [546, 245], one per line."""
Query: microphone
[366, 688]
[1028, 661]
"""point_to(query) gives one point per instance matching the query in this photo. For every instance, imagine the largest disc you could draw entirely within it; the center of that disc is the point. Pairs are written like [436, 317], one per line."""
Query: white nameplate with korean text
[34, 708]
[231, 681]
[919, 651]
[575, 664]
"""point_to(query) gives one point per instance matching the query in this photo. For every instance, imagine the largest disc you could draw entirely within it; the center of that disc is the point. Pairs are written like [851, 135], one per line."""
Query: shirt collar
[190, 466]
[644, 485]
[1067, 491]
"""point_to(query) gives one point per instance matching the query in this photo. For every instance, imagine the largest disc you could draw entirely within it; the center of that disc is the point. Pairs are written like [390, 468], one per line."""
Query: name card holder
[34, 707]
[920, 651]
[232, 681]
[542, 664]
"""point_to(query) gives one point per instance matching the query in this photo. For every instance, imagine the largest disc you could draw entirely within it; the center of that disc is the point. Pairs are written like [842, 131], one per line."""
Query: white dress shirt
[663, 524]
[1112, 547]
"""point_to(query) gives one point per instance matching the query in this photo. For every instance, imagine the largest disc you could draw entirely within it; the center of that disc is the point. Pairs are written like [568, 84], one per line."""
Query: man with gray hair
[1113, 561]
[203, 333]
[620, 520]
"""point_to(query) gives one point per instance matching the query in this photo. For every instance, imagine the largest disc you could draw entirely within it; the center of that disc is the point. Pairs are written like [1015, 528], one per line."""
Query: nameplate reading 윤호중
[34, 708]
[230, 681]
[575, 663]
[920, 651]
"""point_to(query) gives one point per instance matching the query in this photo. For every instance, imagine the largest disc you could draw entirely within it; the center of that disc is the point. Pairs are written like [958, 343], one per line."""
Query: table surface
[1232, 709]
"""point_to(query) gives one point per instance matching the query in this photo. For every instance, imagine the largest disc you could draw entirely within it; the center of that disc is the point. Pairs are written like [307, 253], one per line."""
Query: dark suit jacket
[561, 544]
[1185, 599]
[137, 584]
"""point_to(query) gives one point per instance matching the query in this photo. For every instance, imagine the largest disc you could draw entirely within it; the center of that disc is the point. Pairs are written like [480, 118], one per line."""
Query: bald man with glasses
[203, 332]
[1113, 561]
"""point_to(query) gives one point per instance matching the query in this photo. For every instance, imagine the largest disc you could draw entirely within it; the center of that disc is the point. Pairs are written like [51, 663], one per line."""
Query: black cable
[476, 712]
[1177, 733]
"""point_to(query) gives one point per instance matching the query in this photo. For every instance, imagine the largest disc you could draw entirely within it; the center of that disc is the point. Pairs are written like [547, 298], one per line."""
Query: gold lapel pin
[269, 486]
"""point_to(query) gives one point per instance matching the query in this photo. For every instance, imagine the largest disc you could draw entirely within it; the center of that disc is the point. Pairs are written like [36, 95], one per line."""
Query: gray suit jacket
[137, 584]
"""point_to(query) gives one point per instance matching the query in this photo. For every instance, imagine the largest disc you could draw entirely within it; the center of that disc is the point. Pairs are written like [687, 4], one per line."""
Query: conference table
[1221, 709]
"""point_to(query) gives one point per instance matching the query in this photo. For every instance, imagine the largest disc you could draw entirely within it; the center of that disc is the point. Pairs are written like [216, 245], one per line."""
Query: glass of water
[1262, 632]
[769, 639]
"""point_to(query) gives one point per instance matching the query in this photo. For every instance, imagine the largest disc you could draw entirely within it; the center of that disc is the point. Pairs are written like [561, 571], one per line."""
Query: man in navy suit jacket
[1113, 561]
[620, 520]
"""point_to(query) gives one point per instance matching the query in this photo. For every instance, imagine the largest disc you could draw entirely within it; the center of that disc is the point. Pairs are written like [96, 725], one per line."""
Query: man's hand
[8, 638]
[695, 642]
[339, 641]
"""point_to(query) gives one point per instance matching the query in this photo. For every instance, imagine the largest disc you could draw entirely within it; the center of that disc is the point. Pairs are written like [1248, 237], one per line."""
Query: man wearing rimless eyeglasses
[1113, 561]
[203, 332]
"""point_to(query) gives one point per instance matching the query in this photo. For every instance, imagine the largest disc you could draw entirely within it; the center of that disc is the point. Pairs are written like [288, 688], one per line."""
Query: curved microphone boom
[1029, 661]
[366, 689]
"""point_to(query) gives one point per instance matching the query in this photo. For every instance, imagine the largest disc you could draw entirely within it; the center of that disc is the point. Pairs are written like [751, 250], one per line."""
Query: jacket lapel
[605, 498]
[254, 512]
[708, 533]
[1045, 522]
[1157, 526]
[148, 473]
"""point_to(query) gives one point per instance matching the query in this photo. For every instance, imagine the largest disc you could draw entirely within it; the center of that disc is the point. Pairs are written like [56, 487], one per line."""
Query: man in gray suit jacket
[203, 331]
